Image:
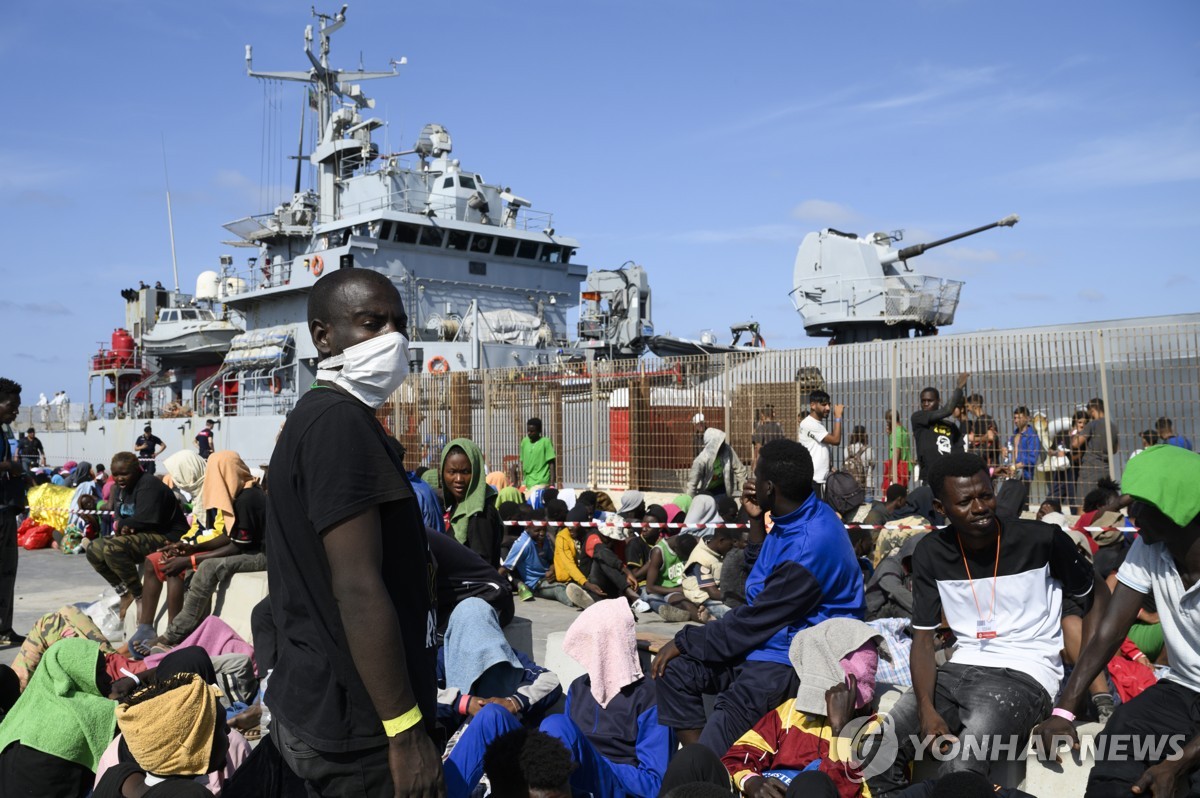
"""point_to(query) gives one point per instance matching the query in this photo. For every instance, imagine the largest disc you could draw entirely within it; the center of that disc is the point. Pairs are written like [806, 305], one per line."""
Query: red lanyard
[971, 582]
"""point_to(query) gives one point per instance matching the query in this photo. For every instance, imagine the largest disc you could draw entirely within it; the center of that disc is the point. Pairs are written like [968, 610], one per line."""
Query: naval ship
[486, 279]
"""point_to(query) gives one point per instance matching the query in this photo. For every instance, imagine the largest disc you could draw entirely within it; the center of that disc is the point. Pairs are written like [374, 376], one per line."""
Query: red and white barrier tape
[656, 525]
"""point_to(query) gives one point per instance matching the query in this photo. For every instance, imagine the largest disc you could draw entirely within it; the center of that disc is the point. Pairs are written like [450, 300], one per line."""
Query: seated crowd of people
[380, 663]
[795, 642]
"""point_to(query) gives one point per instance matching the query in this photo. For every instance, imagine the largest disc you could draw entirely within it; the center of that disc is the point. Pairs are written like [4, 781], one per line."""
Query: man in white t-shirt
[817, 438]
[1164, 562]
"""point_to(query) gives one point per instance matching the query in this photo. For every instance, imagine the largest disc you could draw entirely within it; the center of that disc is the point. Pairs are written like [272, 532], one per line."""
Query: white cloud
[1168, 155]
[825, 212]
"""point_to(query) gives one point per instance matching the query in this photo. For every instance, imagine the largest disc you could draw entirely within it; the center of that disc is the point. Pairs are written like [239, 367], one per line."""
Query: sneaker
[1103, 702]
[579, 597]
[673, 614]
[640, 606]
[524, 593]
[11, 639]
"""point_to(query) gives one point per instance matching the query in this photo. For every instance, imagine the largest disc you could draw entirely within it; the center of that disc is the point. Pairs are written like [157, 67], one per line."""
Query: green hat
[1167, 477]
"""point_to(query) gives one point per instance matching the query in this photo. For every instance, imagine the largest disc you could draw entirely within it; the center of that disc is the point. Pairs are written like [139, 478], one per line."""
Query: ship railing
[420, 202]
[905, 298]
[621, 424]
[65, 417]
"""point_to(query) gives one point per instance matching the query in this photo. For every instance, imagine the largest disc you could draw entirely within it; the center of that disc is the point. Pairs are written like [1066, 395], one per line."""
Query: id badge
[985, 630]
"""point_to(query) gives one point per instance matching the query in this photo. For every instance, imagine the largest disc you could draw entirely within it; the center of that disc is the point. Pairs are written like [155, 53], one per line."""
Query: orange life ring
[318, 266]
[438, 365]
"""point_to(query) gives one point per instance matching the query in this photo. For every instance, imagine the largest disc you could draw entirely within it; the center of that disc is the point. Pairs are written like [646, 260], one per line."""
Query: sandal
[137, 643]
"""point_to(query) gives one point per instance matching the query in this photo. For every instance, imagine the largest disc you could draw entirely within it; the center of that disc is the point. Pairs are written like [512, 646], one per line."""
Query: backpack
[857, 468]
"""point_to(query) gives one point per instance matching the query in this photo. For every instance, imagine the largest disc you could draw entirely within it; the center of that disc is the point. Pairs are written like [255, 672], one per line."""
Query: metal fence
[623, 424]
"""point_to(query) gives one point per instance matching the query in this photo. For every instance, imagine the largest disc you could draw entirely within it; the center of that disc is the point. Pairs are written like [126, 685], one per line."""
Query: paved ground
[46, 580]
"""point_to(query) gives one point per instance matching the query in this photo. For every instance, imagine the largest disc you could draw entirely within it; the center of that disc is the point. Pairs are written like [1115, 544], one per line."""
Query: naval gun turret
[855, 289]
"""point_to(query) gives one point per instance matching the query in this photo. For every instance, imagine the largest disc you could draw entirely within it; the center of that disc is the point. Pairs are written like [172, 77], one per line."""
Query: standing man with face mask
[350, 576]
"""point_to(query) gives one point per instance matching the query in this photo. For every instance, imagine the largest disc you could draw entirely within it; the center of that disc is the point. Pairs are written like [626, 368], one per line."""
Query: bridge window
[385, 231]
[405, 233]
[527, 250]
[458, 239]
[506, 247]
[466, 182]
[431, 237]
[482, 244]
[448, 182]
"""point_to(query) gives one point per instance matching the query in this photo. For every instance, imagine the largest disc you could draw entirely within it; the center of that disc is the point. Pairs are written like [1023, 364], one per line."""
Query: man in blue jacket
[802, 573]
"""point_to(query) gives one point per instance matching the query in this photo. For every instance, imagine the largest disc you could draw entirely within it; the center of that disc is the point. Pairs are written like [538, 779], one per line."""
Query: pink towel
[604, 641]
[214, 636]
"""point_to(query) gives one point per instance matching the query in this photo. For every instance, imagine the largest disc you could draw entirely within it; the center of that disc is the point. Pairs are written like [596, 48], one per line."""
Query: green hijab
[683, 502]
[61, 712]
[475, 501]
[509, 494]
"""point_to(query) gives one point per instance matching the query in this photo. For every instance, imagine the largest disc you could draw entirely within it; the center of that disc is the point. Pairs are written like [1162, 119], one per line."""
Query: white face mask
[370, 371]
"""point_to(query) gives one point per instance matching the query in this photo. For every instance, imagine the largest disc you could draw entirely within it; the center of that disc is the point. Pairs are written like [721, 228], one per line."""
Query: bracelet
[1066, 714]
[193, 562]
[136, 680]
[403, 723]
[464, 704]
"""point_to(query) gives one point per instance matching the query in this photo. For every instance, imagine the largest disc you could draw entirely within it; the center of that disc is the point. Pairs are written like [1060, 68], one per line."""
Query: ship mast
[327, 83]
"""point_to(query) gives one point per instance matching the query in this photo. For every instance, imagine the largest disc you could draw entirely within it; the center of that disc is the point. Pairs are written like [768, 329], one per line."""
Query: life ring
[318, 266]
[438, 365]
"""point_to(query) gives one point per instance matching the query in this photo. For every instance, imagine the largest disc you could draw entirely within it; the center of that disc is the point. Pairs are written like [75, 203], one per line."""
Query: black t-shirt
[31, 449]
[332, 461]
[150, 506]
[988, 450]
[935, 433]
[146, 444]
[204, 442]
[463, 574]
[637, 551]
[1038, 564]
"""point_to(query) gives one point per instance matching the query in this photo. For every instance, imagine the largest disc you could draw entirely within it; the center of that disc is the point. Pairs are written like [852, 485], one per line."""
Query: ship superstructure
[487, 281]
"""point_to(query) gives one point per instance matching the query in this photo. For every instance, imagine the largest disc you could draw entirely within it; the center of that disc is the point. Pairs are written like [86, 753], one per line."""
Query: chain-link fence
[621, 424]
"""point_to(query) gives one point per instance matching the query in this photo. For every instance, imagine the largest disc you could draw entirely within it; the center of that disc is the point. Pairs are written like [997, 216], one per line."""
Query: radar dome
[207, 284]
[231, 286]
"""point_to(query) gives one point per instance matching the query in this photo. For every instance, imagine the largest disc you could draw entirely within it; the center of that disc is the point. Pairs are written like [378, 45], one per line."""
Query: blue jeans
[553, 590]
[974, 701]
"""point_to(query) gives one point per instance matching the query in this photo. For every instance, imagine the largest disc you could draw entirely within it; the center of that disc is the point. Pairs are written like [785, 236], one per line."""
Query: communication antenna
[170, 218]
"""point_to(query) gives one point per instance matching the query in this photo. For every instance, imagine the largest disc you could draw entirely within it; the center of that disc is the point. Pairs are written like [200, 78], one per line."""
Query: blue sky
[700, 139]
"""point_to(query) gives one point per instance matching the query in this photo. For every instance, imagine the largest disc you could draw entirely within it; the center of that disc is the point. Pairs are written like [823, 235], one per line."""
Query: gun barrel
[920, 249]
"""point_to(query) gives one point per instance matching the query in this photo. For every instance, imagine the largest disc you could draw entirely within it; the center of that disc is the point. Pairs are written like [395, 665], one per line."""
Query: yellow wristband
[402, 723]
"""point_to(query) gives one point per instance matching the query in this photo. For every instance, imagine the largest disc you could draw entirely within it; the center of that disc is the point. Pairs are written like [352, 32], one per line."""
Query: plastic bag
[106, 614]
[38, 536]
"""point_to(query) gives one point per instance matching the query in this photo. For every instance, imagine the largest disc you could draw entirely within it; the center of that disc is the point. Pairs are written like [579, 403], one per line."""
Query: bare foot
[248, 719]
[126, 602]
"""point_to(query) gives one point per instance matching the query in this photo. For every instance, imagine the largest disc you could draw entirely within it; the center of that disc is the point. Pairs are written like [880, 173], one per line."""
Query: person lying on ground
[148, 517]
[149, 742]
[1007, 665]
[795, 748]
[664, 573]
[803, 573]
[469, 501]
[478, 668]
[236, 506]
[1164, 562]
[702, 573]
[52, 738]
[67, 622]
